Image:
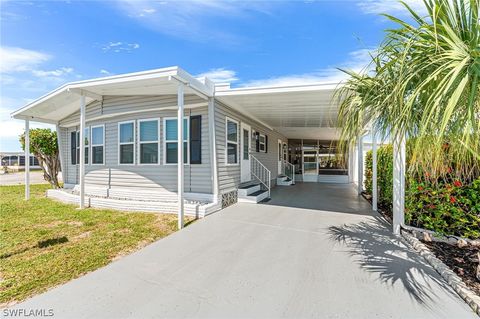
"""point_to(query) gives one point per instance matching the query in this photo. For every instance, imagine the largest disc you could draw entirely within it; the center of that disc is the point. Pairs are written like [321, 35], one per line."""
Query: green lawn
[44, 243]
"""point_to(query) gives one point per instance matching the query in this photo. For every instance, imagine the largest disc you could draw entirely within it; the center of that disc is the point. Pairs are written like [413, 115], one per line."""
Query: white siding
[229, 175]
[197, 176]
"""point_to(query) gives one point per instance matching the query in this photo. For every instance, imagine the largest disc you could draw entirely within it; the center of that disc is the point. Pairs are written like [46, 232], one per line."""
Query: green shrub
[449, 206]
[384, 174]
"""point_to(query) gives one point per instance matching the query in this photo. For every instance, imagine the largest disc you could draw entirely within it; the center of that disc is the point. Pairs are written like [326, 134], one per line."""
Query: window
[262, 142]
[232, 141]
[98, 142]
[126, 142]
[75, 146]
[171, 143]
[148, 141]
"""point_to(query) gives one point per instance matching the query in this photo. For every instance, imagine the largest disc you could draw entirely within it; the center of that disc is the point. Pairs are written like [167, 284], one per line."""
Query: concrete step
[253, 198]
[248, 189]
[283, 180]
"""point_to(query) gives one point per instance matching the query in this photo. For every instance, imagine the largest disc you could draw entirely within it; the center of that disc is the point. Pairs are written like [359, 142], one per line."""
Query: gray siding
[229, 175]
[115, 105]
[198, 177]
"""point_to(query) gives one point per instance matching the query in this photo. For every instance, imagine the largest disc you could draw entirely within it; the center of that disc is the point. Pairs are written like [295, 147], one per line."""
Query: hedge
[449, 206]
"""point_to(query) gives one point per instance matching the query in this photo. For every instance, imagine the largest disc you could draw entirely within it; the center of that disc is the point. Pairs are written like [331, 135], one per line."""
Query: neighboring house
[233, 138]
[16, 160]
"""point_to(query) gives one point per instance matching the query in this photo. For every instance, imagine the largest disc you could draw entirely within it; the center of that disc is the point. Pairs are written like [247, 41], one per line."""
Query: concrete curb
[452, 279]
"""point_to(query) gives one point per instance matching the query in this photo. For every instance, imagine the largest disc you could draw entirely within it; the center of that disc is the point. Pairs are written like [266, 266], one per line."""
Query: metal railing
[288, 169]
[261, 173]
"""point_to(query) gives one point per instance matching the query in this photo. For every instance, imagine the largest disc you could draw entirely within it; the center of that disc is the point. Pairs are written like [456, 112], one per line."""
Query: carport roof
[296, 111]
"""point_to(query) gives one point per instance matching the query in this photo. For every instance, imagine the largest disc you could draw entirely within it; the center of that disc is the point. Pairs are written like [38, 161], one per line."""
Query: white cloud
[220, 75]
[120, 47]
[104, 72]
[393, 7]
[149, 11]
[194, 20]
[18, 59]
[23, 77]
[10, 130]
[53, 73]
[357, 61]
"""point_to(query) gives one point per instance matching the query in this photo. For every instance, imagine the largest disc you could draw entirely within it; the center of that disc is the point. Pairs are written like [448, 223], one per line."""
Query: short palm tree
[425, 84]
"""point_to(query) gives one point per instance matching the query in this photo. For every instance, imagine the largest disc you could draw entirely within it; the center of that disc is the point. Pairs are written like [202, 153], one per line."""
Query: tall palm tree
[425, 84]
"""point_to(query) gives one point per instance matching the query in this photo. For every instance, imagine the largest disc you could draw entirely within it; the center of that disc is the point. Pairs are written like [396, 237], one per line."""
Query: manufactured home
[121, 139]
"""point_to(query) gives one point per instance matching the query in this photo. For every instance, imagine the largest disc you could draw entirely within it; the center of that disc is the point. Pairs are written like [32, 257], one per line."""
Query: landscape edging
[451, 277]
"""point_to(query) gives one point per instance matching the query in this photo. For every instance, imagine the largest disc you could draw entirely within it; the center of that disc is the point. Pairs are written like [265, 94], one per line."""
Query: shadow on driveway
[374, 248]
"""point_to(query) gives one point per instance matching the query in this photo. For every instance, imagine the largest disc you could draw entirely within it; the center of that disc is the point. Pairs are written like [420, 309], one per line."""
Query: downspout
[60, 152]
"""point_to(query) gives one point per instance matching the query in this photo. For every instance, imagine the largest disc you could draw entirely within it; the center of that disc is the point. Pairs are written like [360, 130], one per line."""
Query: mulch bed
[463, 261]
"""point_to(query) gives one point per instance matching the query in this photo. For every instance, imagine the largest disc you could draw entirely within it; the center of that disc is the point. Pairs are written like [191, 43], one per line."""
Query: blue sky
[46, 44]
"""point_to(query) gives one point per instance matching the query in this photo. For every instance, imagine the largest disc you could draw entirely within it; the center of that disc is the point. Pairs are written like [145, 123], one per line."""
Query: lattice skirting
[229, 198]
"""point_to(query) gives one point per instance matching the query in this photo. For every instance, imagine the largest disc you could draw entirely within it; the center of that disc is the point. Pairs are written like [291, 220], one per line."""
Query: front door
[246, 175]
[310, 170]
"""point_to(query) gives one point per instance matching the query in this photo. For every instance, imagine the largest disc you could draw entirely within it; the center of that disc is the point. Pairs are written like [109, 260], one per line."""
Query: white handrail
[286, 164]
[260, 172]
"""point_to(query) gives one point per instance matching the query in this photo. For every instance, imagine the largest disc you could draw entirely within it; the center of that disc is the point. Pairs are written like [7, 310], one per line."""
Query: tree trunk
[50, 166]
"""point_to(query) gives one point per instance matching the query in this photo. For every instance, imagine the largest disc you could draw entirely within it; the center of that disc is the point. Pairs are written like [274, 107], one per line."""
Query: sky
[46, 44]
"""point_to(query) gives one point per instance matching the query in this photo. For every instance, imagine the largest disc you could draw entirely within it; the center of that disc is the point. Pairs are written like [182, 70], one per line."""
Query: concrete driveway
[313, 251]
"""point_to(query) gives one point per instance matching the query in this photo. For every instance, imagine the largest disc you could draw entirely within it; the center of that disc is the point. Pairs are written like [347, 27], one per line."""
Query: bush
[449, 206]
[384, 175]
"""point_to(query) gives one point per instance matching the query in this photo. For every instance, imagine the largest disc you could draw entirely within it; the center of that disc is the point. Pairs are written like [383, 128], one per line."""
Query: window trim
[90, 153]
[165, 141]
[127, 143]
[139, 142]
[260, 143]
[89, 139]
[227, 119]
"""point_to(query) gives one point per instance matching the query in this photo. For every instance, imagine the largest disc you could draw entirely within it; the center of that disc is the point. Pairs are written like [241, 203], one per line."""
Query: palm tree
[425, 85]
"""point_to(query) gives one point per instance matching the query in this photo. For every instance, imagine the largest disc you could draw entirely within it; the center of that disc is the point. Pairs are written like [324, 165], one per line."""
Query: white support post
[82, 152]
[398, 183]
[60, 147]
[374, 172]
[360, 164]
[27, 162]
[213, 152]
[180, 154]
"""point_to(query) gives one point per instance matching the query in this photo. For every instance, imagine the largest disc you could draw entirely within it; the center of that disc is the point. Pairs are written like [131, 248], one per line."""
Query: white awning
[65, 100]
[298, 111]
[301, 111]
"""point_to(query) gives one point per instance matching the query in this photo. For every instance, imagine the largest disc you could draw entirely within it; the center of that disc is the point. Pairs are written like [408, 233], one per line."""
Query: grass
[44, 243]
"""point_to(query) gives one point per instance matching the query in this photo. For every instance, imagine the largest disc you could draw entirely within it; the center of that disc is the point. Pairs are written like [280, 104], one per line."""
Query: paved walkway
[326, 257]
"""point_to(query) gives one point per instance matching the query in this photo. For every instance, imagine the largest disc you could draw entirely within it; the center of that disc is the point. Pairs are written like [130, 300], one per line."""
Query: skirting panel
[229, 198]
